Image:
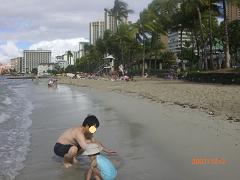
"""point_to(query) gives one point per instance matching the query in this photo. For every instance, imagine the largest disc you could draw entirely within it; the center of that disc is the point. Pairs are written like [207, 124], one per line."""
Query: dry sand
[214, 98]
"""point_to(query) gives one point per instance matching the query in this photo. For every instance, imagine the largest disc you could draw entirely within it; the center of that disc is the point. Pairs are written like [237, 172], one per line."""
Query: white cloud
[59, 46]
[45, 21]
[37, 20]
[8, 51]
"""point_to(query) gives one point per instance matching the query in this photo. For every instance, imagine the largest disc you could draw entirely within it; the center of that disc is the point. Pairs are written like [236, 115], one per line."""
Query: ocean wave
[15, 135]
[3, 117]
[7, 101]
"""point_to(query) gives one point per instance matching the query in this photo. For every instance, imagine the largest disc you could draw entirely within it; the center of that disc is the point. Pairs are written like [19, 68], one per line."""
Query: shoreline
[160, 139]
[214, 99]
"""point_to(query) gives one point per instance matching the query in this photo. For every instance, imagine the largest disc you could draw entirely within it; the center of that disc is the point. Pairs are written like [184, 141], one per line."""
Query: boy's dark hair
[90, 120]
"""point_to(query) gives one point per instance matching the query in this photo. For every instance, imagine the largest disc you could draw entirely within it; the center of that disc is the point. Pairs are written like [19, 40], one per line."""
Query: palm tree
[120, 12]
[69, 56]
[234, 43]
[198, 6]
[126, 36]
[212, 8]
[143, 25]
[181, 20]
[226, 43]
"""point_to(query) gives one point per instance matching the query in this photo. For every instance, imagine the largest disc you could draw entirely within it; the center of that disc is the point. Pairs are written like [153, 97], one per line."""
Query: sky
[56, 25]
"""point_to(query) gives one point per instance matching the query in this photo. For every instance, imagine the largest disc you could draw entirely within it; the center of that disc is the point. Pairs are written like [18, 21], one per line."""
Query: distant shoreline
[25, 77]
[213, 98]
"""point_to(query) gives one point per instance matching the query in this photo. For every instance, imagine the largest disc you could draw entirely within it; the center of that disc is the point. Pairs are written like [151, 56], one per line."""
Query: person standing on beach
[74, 140]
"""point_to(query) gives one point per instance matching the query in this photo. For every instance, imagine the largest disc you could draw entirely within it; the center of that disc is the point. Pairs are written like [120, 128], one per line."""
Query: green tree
[70, 69]
[168, 58]
[35, 71]
[234, 43]
[120, 11]
[69, 56]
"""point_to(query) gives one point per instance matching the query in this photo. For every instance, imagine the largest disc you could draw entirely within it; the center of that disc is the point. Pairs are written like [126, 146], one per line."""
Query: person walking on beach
[101, 167]
[74, 140]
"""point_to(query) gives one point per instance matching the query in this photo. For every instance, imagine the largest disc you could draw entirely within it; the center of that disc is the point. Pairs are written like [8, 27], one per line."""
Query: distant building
[62, 64]
[16, 64]
[174, 40]
[45, 68]
[81, 48]
[5, 68]
[32, 58]
[111, 23]
[96, 31]
[70, 59]
[76, 55]
[233, 12]
[59, 58]
[97, 28]
[65, 58]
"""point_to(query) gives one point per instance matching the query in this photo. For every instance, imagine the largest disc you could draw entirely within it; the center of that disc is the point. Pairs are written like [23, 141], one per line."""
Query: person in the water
[101, 167]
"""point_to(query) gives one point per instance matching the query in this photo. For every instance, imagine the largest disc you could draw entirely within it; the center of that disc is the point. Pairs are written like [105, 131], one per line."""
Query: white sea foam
[3, 117]
[7, 101]
[16, 140]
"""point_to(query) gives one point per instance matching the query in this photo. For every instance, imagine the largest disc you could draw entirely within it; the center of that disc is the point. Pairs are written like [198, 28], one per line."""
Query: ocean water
[15, 122]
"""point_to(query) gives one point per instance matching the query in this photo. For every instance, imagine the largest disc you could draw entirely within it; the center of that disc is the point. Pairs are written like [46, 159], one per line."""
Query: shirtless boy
[74, 140]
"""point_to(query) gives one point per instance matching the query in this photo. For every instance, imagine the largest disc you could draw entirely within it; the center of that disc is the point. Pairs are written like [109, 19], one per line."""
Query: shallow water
[15, 108]
[153, 142]
[64, 107]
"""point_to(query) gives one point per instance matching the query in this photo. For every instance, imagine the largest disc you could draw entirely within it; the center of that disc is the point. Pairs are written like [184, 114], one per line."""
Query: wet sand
[154, 141]
[213, 98]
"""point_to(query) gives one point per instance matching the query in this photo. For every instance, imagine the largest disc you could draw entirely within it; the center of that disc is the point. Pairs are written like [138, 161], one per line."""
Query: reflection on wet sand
[153, 142]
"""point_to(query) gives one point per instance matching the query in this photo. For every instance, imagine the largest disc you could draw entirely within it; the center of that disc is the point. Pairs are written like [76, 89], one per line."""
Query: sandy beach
[214, 98]
[153, 140]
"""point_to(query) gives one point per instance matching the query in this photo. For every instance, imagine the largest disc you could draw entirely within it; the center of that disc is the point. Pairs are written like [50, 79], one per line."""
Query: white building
[76, 55]
[96, 31]
[97, 28]
[44, 68]
[16, 64]
[61, 62]
[110, 21]
[68, 58]
[174, 40]
[81, 48]
[32, 58]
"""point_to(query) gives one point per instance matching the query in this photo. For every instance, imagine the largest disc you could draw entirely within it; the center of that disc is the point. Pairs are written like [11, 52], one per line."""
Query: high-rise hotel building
[96, 31]
[174, 40]
[233, 12]
[111, 22]
[32, 58]
[97, 28]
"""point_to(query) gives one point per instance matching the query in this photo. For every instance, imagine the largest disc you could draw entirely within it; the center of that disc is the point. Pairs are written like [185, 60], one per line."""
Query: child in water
[101, 167]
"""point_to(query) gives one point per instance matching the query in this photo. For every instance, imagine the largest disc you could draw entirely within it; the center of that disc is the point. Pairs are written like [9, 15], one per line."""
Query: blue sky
[26, 24]
[23, 44]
